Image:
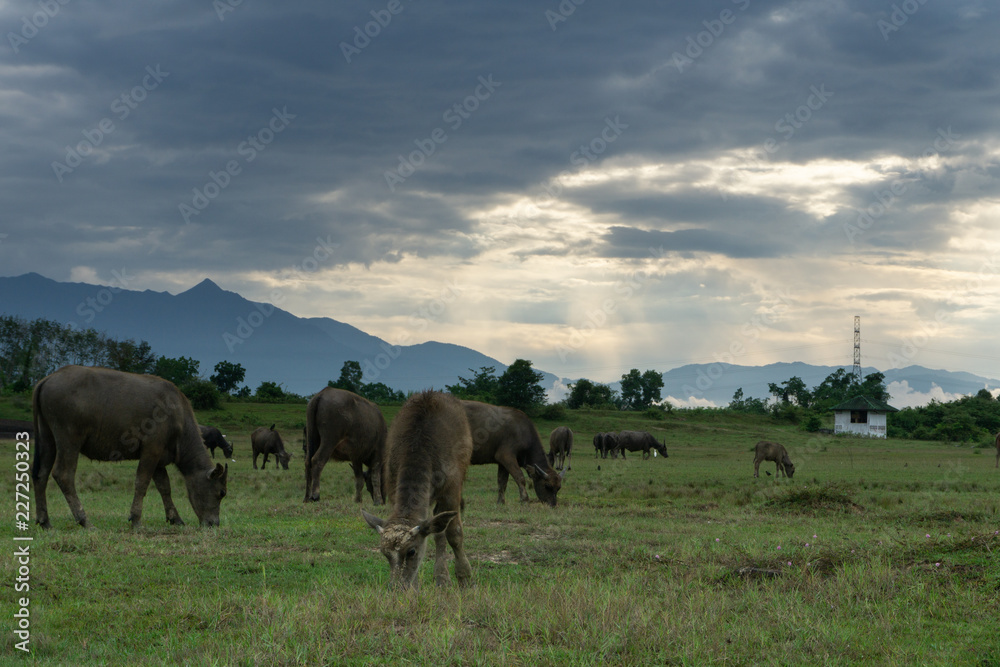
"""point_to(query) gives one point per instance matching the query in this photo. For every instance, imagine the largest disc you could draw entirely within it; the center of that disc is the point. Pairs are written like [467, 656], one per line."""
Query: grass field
[877, 552]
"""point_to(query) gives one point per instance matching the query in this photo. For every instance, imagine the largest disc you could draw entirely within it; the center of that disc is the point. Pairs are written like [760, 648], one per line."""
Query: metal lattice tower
[857, 348]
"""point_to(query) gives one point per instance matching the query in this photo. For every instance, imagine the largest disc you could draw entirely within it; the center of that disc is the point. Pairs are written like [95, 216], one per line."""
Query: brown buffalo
[267, 441]
[342, 426]
[109, 415]
[560, 447]
[639, 441]
[213, 438]
[605, 443]
[772, 451]
[426, 456]
[507, 437]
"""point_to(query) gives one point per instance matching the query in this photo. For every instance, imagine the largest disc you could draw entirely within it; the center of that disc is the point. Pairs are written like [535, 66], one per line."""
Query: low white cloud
[904, 396]
[691, 402]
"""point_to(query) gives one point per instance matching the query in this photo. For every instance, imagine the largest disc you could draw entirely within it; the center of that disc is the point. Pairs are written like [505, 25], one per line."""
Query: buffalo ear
[373, 521]
[437, 523]
[218, 471]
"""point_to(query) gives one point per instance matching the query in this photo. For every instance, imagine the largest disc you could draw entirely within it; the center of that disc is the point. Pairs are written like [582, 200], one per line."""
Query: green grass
[877, 552]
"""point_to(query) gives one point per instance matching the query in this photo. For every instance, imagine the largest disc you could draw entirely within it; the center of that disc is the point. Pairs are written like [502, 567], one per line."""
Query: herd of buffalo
[416, 466]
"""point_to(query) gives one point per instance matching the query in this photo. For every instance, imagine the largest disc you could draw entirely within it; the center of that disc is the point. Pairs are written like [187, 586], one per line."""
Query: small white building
[861, 416]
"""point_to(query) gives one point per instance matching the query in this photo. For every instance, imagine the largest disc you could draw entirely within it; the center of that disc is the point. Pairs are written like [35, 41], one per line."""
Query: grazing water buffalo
[772, 451]
[426, 456]
[610, 444]
[560, 447]
[109, 415]
[342, 426]
[267, 441]
[212, 437]
[640, 441]
[507, 437]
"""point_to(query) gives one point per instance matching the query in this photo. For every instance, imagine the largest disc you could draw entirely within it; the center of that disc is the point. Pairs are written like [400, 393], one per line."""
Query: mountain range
[211, 324]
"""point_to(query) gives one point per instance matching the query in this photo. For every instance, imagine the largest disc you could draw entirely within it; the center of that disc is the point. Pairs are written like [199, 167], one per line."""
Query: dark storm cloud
[359, 107]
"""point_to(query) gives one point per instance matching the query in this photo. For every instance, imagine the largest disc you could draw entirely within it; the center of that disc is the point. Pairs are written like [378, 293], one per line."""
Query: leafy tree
[583, 392]
[519, 386]
[836, 388]
[179, 371]
[269, 391]
[753, 406]
[640, 390]
[30, 350]
[873, 386]
[632, 390]
[792, 388]
[482, 386]
[350, 377]
[652, 383]
[381, 393]
[227, 376]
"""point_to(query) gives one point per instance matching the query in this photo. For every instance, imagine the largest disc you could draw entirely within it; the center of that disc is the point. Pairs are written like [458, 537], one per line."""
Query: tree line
[30, 350]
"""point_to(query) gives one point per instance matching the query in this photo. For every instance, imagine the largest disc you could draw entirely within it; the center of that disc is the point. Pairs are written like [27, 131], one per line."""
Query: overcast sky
[594, 186]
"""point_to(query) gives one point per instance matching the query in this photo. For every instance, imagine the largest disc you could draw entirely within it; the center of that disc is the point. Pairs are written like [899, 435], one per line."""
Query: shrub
[203, 394]
[554, 412]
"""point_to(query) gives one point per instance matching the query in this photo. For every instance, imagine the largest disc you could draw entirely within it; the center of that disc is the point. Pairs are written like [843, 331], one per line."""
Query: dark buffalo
[640, 441]
[342, 426]
[426, 456]
[604, 444]
[213, 438]
[507, 437]
[610, 444]
[109, 415]
[560, 447]
[267, 441]
[772, 451]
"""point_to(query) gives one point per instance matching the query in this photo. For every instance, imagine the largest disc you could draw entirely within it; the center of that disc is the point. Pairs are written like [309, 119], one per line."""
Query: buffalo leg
[162, 481]
[143, 476]
[263, 465]
[568, 466]
[359, 480]
[43, 464]
[255, 455]
[779, 470]
[64, 472]
[463, 571]
[375, 478]
[315, 467]
[441, 558]
[756, 467]
[502, 477]
[509, 463]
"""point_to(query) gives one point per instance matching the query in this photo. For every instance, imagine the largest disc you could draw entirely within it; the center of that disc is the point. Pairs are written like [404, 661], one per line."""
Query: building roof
[865, 403]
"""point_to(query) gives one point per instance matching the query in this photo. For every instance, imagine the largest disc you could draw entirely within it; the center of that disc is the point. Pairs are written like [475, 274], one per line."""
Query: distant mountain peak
[206, 284]
[206, 288]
